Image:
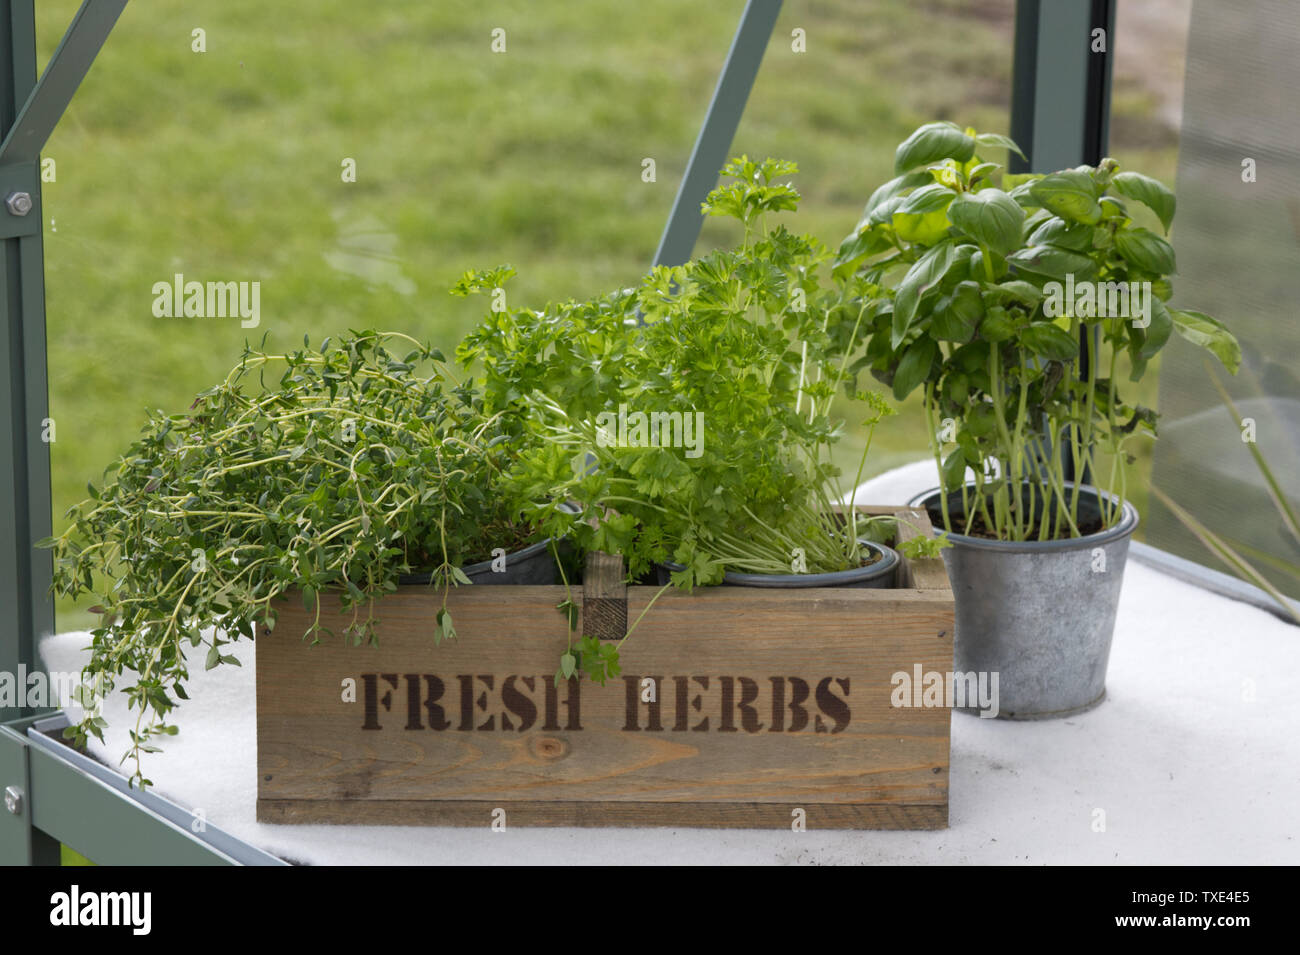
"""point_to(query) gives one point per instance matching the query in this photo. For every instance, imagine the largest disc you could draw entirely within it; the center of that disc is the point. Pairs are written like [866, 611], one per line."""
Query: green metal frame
[29, 111]
[57, 795]
[26, 608]
[1060, 106]
[718, 131]
[71, 799]
[1059, 113]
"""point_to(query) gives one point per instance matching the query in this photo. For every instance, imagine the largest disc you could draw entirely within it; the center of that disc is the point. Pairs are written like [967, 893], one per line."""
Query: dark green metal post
[1060, 97]
[26, 607]
[29, 111]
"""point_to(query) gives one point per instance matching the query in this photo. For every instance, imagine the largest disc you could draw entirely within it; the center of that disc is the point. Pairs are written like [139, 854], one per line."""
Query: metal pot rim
[484, 566]
[1126, 526]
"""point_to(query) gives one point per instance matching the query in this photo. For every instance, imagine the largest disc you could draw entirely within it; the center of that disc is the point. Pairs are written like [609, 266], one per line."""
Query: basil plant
[1009, 301]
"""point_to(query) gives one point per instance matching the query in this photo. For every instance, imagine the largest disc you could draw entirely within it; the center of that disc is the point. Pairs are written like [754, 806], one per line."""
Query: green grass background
[225, 165]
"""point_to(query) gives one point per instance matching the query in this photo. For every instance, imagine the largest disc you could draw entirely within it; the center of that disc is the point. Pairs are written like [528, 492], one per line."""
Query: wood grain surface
[736, 707]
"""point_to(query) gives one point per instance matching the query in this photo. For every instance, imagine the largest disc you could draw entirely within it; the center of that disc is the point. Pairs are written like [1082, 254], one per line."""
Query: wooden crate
[767, 702]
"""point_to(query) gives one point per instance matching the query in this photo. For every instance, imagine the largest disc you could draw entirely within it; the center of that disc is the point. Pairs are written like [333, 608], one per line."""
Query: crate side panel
[743, 680]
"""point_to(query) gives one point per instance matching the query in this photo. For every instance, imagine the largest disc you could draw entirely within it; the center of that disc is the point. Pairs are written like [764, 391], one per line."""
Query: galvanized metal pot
[1041, 615]
[878, 575]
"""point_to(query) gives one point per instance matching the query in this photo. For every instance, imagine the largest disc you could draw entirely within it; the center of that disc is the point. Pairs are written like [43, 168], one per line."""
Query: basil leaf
[1014, 292]
[1020, 188]
[956, 388]
[931, 143]
[1003, 142]
[895, 186]
[857, 246]
[924, 275]
[1146, 250]
[981, 421]
[1071, 194]
[1054, 263]
[957, 322]
[920, 217]
[996, 261]
[1065, 235]
[983, 171]
[998, 325]
[1049, 341]
[927, 199]
[947, 326]
[1209, 333]
[990, 217]
[883, 212]
[1113, 208]
[954, 470]
[1158, 332]
[914, 367]
[1152, 193]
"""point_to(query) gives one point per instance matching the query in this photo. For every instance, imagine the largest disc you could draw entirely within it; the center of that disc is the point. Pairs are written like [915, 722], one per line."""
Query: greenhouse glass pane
[1236, 235]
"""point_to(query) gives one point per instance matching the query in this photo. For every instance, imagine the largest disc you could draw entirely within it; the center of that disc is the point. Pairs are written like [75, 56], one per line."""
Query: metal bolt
[14, 800]
[19, 203]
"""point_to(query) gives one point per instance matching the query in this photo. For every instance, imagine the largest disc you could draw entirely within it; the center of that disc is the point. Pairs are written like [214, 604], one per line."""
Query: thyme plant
[333, 470]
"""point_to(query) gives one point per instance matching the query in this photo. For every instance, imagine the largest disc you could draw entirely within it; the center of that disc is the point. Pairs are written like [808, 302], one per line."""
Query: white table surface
[1193, 758]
